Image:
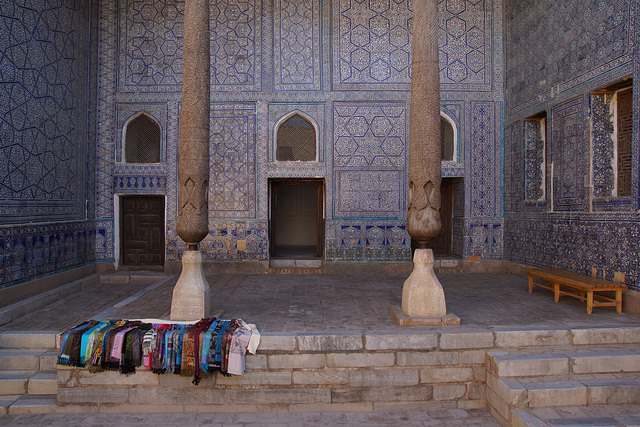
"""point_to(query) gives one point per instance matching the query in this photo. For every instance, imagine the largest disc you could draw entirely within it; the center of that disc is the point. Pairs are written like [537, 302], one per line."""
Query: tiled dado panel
[577, 242]
[32, 251]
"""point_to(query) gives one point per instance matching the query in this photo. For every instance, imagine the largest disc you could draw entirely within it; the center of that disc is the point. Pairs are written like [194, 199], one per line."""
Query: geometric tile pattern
[602, 128]
[465, 44]
[577, 242]
[42, 111]
[151, 44]
[287, 57]
[369, 160]
[582, 47]
[232, 188]
[297, 44]
[366, 193]
[372, 42]
[367, 241]
[369, 135]
[534, 159]
[27, 252]
[589, 39]
[570, 166]
[236, 38]
[485, 164]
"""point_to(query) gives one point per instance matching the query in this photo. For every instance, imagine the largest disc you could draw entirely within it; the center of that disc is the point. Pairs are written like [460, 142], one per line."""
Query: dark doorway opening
[142, 230]
[297, 218]
[442, 244]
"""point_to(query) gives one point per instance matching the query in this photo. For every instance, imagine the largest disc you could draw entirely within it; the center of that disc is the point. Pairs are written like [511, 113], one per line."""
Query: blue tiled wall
[557, 53]
[345, 64]
[47, 87]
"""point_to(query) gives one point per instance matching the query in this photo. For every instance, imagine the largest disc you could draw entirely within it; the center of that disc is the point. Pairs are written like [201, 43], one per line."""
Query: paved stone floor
[315, 303]
[329, 303]
[435, 418]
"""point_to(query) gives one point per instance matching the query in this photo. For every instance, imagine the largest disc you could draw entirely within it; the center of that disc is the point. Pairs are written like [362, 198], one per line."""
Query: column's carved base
[191, 295]
[422, 295]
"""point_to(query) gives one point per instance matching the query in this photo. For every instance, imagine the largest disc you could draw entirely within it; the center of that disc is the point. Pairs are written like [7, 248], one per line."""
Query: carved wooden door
[142, 230]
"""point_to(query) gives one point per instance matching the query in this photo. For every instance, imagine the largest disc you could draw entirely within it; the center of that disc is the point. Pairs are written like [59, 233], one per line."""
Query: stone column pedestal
[191, 295]
[423, 302]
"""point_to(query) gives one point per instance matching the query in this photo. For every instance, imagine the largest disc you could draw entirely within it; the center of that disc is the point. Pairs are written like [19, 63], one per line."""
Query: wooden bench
[578, 286]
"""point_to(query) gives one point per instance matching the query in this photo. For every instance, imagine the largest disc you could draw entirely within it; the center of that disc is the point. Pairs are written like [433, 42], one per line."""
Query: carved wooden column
[191, 293]
[422, 294]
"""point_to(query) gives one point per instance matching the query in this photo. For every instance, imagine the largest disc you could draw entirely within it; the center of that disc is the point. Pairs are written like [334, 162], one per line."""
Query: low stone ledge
[326, 343]
[531, 338]
[277, 343]
[424, 341]
[458, 340]
[593, 336]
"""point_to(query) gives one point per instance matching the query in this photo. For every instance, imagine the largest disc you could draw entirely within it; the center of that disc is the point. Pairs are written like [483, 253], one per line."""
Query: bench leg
[619, 301]
[530, 284]
[556, 292]
[589, 302]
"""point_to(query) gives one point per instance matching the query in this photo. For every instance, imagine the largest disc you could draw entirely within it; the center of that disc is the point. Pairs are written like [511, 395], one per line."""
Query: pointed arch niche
[142, 139]
[448, 138]
[296, 138]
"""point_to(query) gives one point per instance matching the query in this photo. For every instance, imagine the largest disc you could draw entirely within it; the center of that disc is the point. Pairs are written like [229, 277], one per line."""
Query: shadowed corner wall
[555, 74]
[47, 133]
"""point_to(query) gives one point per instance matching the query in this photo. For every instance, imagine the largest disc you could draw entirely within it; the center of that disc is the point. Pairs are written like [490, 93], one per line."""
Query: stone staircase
[28, 372]
[578, 385]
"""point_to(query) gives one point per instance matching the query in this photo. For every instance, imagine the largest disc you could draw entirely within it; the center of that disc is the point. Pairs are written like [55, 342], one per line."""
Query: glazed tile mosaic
[74, 74]
[570, 74]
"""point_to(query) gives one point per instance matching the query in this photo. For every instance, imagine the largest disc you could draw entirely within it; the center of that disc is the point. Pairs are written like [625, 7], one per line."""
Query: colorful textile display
[210, 345]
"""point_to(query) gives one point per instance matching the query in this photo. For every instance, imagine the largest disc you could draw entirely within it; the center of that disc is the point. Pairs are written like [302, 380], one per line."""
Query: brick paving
[435, 417]
[279, 303]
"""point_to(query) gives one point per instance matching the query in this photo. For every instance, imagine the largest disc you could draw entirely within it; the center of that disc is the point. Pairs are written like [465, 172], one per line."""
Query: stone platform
[330, 344]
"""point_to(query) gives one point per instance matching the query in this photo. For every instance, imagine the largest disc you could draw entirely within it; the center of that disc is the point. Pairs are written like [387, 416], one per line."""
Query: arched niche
[141, 136]
[448, 138]
[296, 138]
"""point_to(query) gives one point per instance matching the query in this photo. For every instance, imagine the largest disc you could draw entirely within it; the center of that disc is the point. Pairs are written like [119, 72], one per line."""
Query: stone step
[31, 382]
[295, 263]
[28, 359]
[28, 340]
[33, 404]
[540, 392]
[43, 383]
[597, 415]
[6, 401]
[504, 364]
[14, 382]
